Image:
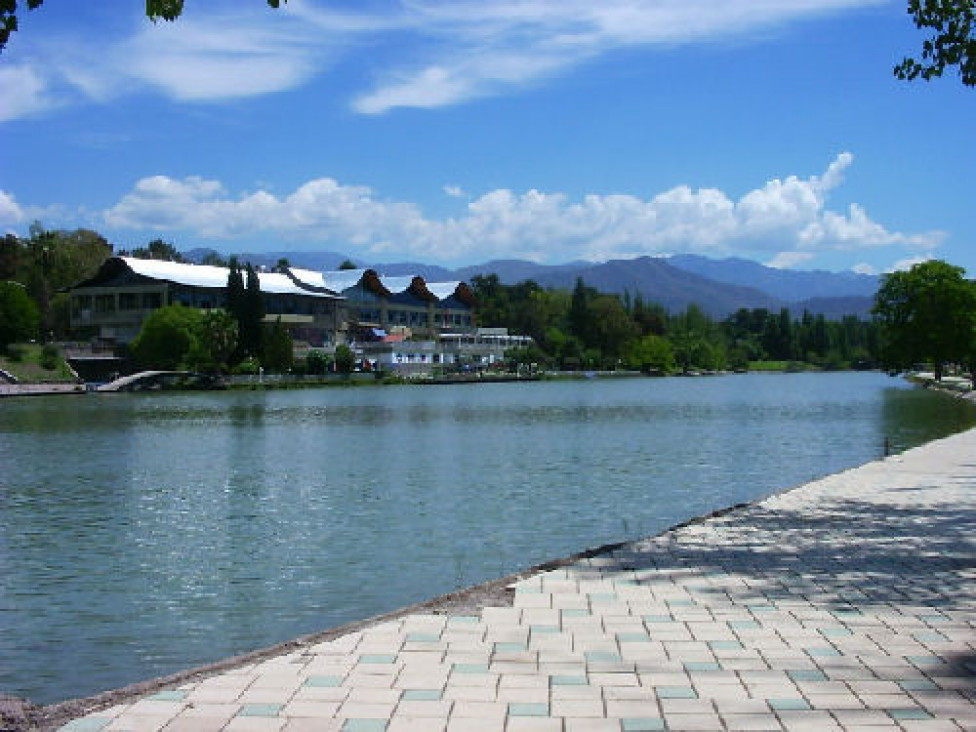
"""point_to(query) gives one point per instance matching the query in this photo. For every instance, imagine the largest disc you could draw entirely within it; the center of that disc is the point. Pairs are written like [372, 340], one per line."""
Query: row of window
[110, 303]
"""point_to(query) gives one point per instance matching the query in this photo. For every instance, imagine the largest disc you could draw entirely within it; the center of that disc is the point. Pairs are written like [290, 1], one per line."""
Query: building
[125, 290]
[483, 348]
[399, 324]
[395, 304]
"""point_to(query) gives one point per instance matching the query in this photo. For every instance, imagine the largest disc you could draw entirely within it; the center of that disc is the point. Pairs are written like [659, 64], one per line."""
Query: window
[129, 301]
[151, 300]
[104, 303]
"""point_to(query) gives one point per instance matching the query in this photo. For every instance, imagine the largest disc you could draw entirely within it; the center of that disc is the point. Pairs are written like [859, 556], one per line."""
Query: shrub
[50, 356]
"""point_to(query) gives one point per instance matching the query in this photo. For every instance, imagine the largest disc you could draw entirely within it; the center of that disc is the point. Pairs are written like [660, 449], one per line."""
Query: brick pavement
[846, 604]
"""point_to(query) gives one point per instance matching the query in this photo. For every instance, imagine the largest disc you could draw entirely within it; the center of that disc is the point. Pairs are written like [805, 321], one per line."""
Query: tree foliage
[952, 43]
[18, 314]
[155, 10]
[175, 336]
[49, 261]
[927, 314]
[278, 348]
[586, 329]
[345, 359]
[156, 249]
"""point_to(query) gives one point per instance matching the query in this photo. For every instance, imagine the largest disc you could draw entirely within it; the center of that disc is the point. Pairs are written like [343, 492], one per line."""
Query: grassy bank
[30, 363]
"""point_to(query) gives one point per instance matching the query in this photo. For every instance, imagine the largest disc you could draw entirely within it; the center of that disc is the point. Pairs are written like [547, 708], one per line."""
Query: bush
[50, 356]
[316, 363]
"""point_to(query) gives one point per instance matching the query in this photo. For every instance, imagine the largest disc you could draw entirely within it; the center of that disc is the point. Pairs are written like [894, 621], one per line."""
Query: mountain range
[717, 286]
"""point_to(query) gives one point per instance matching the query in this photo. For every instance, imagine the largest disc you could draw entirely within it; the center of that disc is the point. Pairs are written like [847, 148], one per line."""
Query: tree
[167, 337]
[251, 315]
[155, 10]
[278, 348]
[651, 354]
[345, 359]
[347, 264]
[18, 314]
[158, 249]
[953, 42]
[927, 314]
[217, 342]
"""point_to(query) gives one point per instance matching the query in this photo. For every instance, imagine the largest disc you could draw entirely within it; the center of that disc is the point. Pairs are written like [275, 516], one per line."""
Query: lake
[142, 534]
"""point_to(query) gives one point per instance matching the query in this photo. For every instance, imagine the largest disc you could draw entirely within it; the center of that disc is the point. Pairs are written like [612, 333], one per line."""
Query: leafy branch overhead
[155, 10]
[953, 42]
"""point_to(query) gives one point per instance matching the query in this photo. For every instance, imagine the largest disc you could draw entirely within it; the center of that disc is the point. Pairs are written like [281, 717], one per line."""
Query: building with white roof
[404, 304]
[119, 297]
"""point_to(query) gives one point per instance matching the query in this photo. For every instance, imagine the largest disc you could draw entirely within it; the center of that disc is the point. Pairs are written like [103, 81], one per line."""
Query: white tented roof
[195, 275]
[338, 279]
[309, 277]
[396, 284]
[442, 290]
[203, 275]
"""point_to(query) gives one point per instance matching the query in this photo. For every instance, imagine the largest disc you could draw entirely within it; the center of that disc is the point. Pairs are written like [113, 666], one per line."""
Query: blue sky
[459, 131]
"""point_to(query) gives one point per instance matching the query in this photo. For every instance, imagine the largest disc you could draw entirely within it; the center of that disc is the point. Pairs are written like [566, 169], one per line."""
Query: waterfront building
[395, 304]
[125, 290]
[482, 348]
[399, 324]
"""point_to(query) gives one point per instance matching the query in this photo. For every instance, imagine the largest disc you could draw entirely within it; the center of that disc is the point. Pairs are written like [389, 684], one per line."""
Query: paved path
[846, 604]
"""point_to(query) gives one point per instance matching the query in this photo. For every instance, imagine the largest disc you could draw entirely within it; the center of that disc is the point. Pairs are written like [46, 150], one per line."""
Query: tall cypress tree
[252, 312]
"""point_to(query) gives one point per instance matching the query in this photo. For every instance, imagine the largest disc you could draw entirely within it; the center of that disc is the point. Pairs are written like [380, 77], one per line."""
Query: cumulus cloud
[903, 265]
[435, 53]
[788, 260]
[864, 268]
[10, 212]
[24, 91]
[788, 219]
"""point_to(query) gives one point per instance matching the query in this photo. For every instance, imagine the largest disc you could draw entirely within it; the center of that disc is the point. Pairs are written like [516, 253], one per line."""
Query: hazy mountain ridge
[786, 284]
[718, 286]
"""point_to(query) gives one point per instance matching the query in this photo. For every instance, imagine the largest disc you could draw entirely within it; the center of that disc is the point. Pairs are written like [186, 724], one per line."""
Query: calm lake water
[143, 534]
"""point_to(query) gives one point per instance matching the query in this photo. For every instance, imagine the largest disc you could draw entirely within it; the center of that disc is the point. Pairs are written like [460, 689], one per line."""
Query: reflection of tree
[915, 416]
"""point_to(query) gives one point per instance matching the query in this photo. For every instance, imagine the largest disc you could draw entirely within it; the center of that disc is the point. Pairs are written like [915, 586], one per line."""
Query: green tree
[155, 10]
[278, 348]
[52, 260]
[251, 315]
[651, 354]
[953, 40]
[216, 342]
[345, 359]
[158, 249]
[927, 314]
[168, 336]
[347, 264]
[580, 318]
[18, 314]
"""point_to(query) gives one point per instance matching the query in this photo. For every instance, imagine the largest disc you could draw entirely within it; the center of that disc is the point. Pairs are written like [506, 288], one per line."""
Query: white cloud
[481, 47]
[455, 192]
[10, 211]
[903, 265]
[787, 260]
[220, 58]
[864, 268]
[787, 219]
[24, 92]
[433, 53]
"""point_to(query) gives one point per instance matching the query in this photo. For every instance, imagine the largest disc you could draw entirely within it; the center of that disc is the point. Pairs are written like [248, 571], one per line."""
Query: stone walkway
[845, 604]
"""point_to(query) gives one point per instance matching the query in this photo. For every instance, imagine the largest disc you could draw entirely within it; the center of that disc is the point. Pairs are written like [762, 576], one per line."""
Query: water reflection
[142, 534]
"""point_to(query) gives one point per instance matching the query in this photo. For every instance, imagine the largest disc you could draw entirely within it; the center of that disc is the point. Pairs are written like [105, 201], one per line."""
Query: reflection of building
[125, 290]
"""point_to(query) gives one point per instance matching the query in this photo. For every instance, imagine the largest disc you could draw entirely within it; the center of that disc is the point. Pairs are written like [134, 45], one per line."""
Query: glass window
[104, 303]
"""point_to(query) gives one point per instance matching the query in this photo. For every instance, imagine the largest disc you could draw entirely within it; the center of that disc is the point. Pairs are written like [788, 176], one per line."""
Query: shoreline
[496, 593]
